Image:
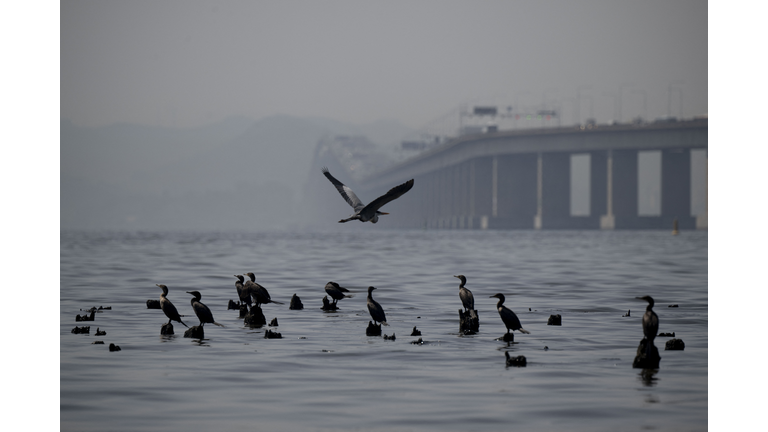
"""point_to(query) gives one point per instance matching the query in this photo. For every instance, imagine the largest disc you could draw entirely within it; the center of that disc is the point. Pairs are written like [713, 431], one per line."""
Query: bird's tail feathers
[183, 323]
[272, 301]
[385, 323]
[522, 330]
[220, 325]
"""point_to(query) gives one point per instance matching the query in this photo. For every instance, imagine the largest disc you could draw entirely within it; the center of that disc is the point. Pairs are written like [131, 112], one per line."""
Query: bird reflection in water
[648, 377]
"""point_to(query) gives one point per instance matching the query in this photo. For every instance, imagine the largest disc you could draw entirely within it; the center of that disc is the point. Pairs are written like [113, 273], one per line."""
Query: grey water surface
[325, 374]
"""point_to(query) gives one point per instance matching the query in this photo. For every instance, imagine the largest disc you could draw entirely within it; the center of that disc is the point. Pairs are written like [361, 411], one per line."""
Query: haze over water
[326, 374]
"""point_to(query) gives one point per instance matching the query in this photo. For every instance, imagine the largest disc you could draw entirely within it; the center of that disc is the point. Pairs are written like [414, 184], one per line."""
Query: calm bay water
[326, 374]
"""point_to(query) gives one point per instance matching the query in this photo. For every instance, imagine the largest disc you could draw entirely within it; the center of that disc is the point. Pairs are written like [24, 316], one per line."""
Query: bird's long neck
[649, 307]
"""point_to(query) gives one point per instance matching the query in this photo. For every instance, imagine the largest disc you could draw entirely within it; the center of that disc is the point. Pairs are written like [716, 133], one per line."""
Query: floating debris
[518, 361]
[255, 317]
[99, 332]
[166, 329]
[675, 345]
[296, 303]
[627, 314]
[86, 317]
[327, 305]
[97, 343]
[113, 347]
[674, 305]
[269, 334]
[153, 304]
[78, 330]
[415, 332]
[469, 322]
[417, 342]
[273, 323]
[389, 337]
[554, 320]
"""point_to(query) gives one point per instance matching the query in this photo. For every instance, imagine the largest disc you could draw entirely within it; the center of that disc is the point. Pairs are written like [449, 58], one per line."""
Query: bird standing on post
[375, 309]
[370, 212]
[510, 319]
[467, 299]
[242, 293]
[203, 313]
[336, 292]
[650, 323]
[168, 308]
[259, 293]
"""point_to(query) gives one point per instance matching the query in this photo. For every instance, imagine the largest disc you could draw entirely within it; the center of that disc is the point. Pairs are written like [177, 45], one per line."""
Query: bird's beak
[383, 213]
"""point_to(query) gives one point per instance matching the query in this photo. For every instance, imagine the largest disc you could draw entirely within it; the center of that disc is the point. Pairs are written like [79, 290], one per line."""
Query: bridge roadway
[521, 179]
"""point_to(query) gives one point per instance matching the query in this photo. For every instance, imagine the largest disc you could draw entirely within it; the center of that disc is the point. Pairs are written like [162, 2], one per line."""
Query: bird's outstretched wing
[345, 191]
[393, 194]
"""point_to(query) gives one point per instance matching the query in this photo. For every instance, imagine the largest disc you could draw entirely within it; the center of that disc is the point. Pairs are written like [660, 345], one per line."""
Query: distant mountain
[237, 174]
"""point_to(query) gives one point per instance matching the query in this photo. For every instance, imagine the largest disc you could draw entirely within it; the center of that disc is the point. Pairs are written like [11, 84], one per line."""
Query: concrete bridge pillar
[623, 189]
[676, 188]
[516, 198]
[553, 191]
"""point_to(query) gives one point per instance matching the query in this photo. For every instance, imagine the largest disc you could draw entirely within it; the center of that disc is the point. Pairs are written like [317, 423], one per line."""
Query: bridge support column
[608, 221]
[554, 172]
[516, 198]
[624, 188]
[537, 220]
[482, 191]
[676, 189]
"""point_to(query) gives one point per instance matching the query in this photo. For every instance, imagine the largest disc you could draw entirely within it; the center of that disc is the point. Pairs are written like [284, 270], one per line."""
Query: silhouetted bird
[650, 322]
[203, 313]
[375, 309]
[370, 212]
[335, 291]
[168, 308]
[259, 293]
[242, 293]
[510, 319]
[467, 299]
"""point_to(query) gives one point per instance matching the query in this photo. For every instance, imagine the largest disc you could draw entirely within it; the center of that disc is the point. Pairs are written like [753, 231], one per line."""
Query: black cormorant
[242, 293]
[335, 291]
[168, 308]
[375, 309]
[510, 319]
[467, 299]
[370, 212]
[203, 313]
[259, 293]
[650, 322]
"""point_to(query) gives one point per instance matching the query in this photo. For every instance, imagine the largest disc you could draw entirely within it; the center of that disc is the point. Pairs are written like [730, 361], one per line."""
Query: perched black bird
[203, 313]
[336, 292]
[370, 212]
[242, 293]
[467, 299]
[259, 293]
[168, 308]
[375, 309]
[510, 319]
[650, 322]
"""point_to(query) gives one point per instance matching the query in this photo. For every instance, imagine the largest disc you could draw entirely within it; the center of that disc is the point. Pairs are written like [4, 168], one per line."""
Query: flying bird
[370, 212]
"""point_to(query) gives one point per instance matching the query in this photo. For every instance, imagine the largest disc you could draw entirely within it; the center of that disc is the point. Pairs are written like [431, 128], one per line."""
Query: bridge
[522, 179]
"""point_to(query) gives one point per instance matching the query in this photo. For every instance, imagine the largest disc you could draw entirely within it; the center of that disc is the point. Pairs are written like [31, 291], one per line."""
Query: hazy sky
[186, 63]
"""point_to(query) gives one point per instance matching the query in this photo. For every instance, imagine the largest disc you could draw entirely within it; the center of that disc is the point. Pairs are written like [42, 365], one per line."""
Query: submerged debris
[469, 322]
[554, 320]
[327, 305]
[296, 303]
[153, 304]
[269, 334]
[166, 329]
[675, 345]
[113, 347]
[86, 317]
[518, 361]
[99, 332]
[195, 332]
[373, 329]
[415, 332]
[273, 323]
[645, 358]
[78, 330]
[255, 317]
[389, 337]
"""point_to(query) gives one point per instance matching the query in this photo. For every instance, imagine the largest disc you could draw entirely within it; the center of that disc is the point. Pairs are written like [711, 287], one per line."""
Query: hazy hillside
[235, 174]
